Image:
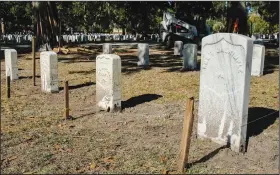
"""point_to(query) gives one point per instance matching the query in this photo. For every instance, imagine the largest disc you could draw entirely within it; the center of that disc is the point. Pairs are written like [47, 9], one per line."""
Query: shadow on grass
[271, 63]
[78, 86]
[253, 129]
[83, 115]
[132, 102]
[256, 127]
[84, 72]
[28, 77]
[179, 68]
[207, 157]
[77, 60]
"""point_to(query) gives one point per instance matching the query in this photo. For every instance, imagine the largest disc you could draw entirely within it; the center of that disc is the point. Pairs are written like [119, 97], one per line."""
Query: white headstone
[107, 48]
[190, 56]
[258, 60]
[143, 55]
[178, 47]
[49, 73]
[224, 89]
[11, 63]
[108, 82]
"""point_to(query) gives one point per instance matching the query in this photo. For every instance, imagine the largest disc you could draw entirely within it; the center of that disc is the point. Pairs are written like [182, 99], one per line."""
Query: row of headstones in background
[227, 62]
[18, 39]
[261, 36]
[77, 38]
[102, 37]
[188, 53]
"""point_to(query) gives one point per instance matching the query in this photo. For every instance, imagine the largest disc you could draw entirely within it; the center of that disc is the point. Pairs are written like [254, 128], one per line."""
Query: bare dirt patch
[144, 137]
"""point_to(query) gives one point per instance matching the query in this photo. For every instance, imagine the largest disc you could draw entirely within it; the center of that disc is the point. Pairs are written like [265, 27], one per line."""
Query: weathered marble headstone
[143, 55]
[107, 48]
[49, 73]
[258, 60]
[11, 63]
[108, 82]
[226, 60]
[178, 47]
[189, 53]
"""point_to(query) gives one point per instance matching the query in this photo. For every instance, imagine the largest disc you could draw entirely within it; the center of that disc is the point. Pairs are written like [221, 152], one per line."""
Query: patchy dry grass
[144, 138]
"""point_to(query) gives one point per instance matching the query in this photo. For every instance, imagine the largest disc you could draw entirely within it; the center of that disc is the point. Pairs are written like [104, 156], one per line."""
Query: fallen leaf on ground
[109, 160]
[12, 158]
[92, 165]
[162, 159]
[57, 146]
[165, 172]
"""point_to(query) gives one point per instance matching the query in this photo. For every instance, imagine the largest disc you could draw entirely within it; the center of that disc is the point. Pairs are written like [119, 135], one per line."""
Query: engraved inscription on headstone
[11, 63]
[258, 60]
[108, 82]
[49, 73]
[224, 89]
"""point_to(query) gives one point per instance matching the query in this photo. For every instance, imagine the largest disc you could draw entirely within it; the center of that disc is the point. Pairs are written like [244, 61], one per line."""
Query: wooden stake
[34, 60]
[186, 136]
[66, 94]
[8, 86]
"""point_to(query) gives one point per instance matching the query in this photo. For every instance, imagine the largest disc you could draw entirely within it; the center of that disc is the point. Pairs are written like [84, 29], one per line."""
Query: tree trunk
[47, 23]
[59, 39]
[2, 26]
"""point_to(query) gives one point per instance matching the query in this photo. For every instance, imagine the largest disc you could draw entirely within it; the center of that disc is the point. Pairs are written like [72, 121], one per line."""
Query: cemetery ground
[144, 137]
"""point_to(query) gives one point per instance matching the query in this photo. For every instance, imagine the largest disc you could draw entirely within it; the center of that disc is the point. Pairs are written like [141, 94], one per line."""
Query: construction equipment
[173, 29]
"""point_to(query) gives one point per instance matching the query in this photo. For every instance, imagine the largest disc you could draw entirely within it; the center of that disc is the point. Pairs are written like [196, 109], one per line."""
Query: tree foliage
[17, 16]
[131, 16]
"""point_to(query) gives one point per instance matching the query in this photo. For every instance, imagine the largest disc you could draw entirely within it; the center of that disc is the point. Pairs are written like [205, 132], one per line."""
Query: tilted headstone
[108, 82]
[189, 53]
[49, 73]
[258, 60]
[11, 63]
[178, 47]
[107, 48]
[143, 55]
[225, 73]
